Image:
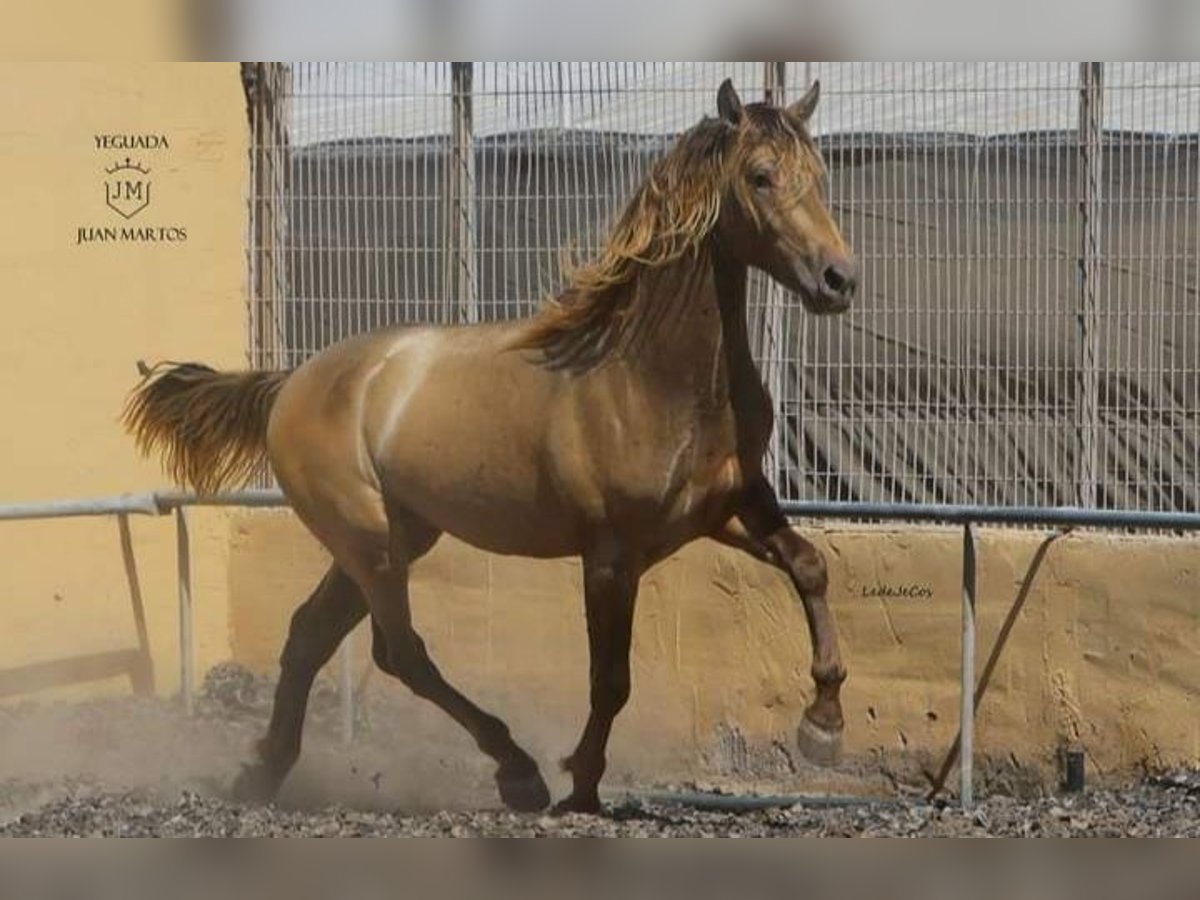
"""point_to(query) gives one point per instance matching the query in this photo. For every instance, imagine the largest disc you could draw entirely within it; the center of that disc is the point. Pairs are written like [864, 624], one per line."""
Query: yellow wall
[110, 31]
[78, 316]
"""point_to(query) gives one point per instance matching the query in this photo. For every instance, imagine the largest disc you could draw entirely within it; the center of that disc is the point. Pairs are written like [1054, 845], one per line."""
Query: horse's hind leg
[317, 628]
[400, 651]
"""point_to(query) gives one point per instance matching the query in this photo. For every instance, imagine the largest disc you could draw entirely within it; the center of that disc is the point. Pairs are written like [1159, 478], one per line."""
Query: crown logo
[127, 166]
[127, 196]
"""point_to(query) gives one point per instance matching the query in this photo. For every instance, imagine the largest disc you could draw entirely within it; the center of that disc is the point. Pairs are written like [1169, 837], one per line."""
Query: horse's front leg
[760, 528]
[610, 583]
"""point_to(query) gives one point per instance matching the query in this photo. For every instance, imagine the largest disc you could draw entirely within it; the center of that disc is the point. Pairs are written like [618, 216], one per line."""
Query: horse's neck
[730, 278]
[698, 348]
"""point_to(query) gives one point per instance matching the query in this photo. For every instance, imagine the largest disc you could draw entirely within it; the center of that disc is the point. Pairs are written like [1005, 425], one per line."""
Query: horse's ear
[803, 108]
[729, 104]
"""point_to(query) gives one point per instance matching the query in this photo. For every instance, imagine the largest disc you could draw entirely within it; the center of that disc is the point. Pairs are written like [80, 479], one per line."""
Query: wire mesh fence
[1028, 329]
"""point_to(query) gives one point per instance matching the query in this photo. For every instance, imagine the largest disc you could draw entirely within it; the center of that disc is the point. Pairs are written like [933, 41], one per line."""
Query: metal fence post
[143, 678]
[183, 558]
[462, 285]
[967, 713]
[268, 88]
[1091, 124]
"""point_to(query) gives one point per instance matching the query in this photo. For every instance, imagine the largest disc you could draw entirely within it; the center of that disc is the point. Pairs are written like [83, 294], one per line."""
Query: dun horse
[624, 420]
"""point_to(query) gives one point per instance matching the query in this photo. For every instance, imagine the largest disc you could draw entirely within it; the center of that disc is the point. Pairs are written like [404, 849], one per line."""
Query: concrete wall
[1106, 652]
[77, 316]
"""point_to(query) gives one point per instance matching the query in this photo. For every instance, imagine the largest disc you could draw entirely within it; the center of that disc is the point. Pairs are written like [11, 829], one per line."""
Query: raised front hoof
[819, 745]
[523, 790]
[255, 784]
[587, 804]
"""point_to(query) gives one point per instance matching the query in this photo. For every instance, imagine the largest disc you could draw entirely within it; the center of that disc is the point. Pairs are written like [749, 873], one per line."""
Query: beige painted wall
[78, 316]
[1107, 650]
[110, 31]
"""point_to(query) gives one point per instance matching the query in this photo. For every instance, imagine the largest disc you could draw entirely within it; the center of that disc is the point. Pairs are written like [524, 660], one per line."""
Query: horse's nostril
[838, 280]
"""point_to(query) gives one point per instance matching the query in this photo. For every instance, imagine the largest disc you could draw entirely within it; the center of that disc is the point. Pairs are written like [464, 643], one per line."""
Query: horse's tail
[210, 427]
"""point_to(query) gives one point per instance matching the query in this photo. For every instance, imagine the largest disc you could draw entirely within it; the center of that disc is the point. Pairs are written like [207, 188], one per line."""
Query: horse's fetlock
[829, 676]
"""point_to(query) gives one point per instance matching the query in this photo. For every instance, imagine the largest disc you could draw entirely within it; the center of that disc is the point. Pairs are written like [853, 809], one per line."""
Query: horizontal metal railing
[163, 502]
[949, 513]
[154, 503]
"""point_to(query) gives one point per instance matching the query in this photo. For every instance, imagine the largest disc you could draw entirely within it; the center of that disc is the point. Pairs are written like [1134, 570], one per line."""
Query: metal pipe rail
[174, 501]
[141, 504]
[155, 503]
[949, 513]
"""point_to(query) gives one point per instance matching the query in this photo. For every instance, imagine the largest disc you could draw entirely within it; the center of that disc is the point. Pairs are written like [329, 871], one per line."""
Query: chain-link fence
[1028, 329]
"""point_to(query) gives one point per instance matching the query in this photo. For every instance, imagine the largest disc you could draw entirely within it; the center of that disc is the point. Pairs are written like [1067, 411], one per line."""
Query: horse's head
[773, 214]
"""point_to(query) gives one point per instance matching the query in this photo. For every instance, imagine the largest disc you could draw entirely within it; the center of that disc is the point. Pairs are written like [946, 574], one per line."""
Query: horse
[622, 420]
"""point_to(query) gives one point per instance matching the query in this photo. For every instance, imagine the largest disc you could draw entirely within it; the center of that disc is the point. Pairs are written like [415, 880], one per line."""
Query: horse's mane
[669, 216]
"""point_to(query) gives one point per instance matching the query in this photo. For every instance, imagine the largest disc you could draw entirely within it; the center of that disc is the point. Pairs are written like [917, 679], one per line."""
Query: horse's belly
[501, 512]
[511, 530]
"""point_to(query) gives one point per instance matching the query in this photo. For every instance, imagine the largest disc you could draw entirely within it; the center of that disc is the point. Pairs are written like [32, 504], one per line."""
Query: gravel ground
[68, 770]
[1164, 807]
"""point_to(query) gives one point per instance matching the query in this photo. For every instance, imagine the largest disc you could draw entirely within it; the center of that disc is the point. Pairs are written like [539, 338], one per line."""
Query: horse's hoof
[255, 784]
[818, 744]
[524, 791]
[589, 805]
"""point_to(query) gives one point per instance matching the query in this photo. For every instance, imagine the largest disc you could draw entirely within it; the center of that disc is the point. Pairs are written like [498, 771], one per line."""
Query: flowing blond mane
[669, 217]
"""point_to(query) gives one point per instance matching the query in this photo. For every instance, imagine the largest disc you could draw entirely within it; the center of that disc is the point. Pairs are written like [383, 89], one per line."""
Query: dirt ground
[136, 767]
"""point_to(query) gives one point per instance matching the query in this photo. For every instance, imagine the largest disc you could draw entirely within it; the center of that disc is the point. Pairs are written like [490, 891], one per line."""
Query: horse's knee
[808, 567]
[812, 574]
[611, 692]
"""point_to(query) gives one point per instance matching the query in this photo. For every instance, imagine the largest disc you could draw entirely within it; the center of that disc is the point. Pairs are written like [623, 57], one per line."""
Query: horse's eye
[762, 181]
